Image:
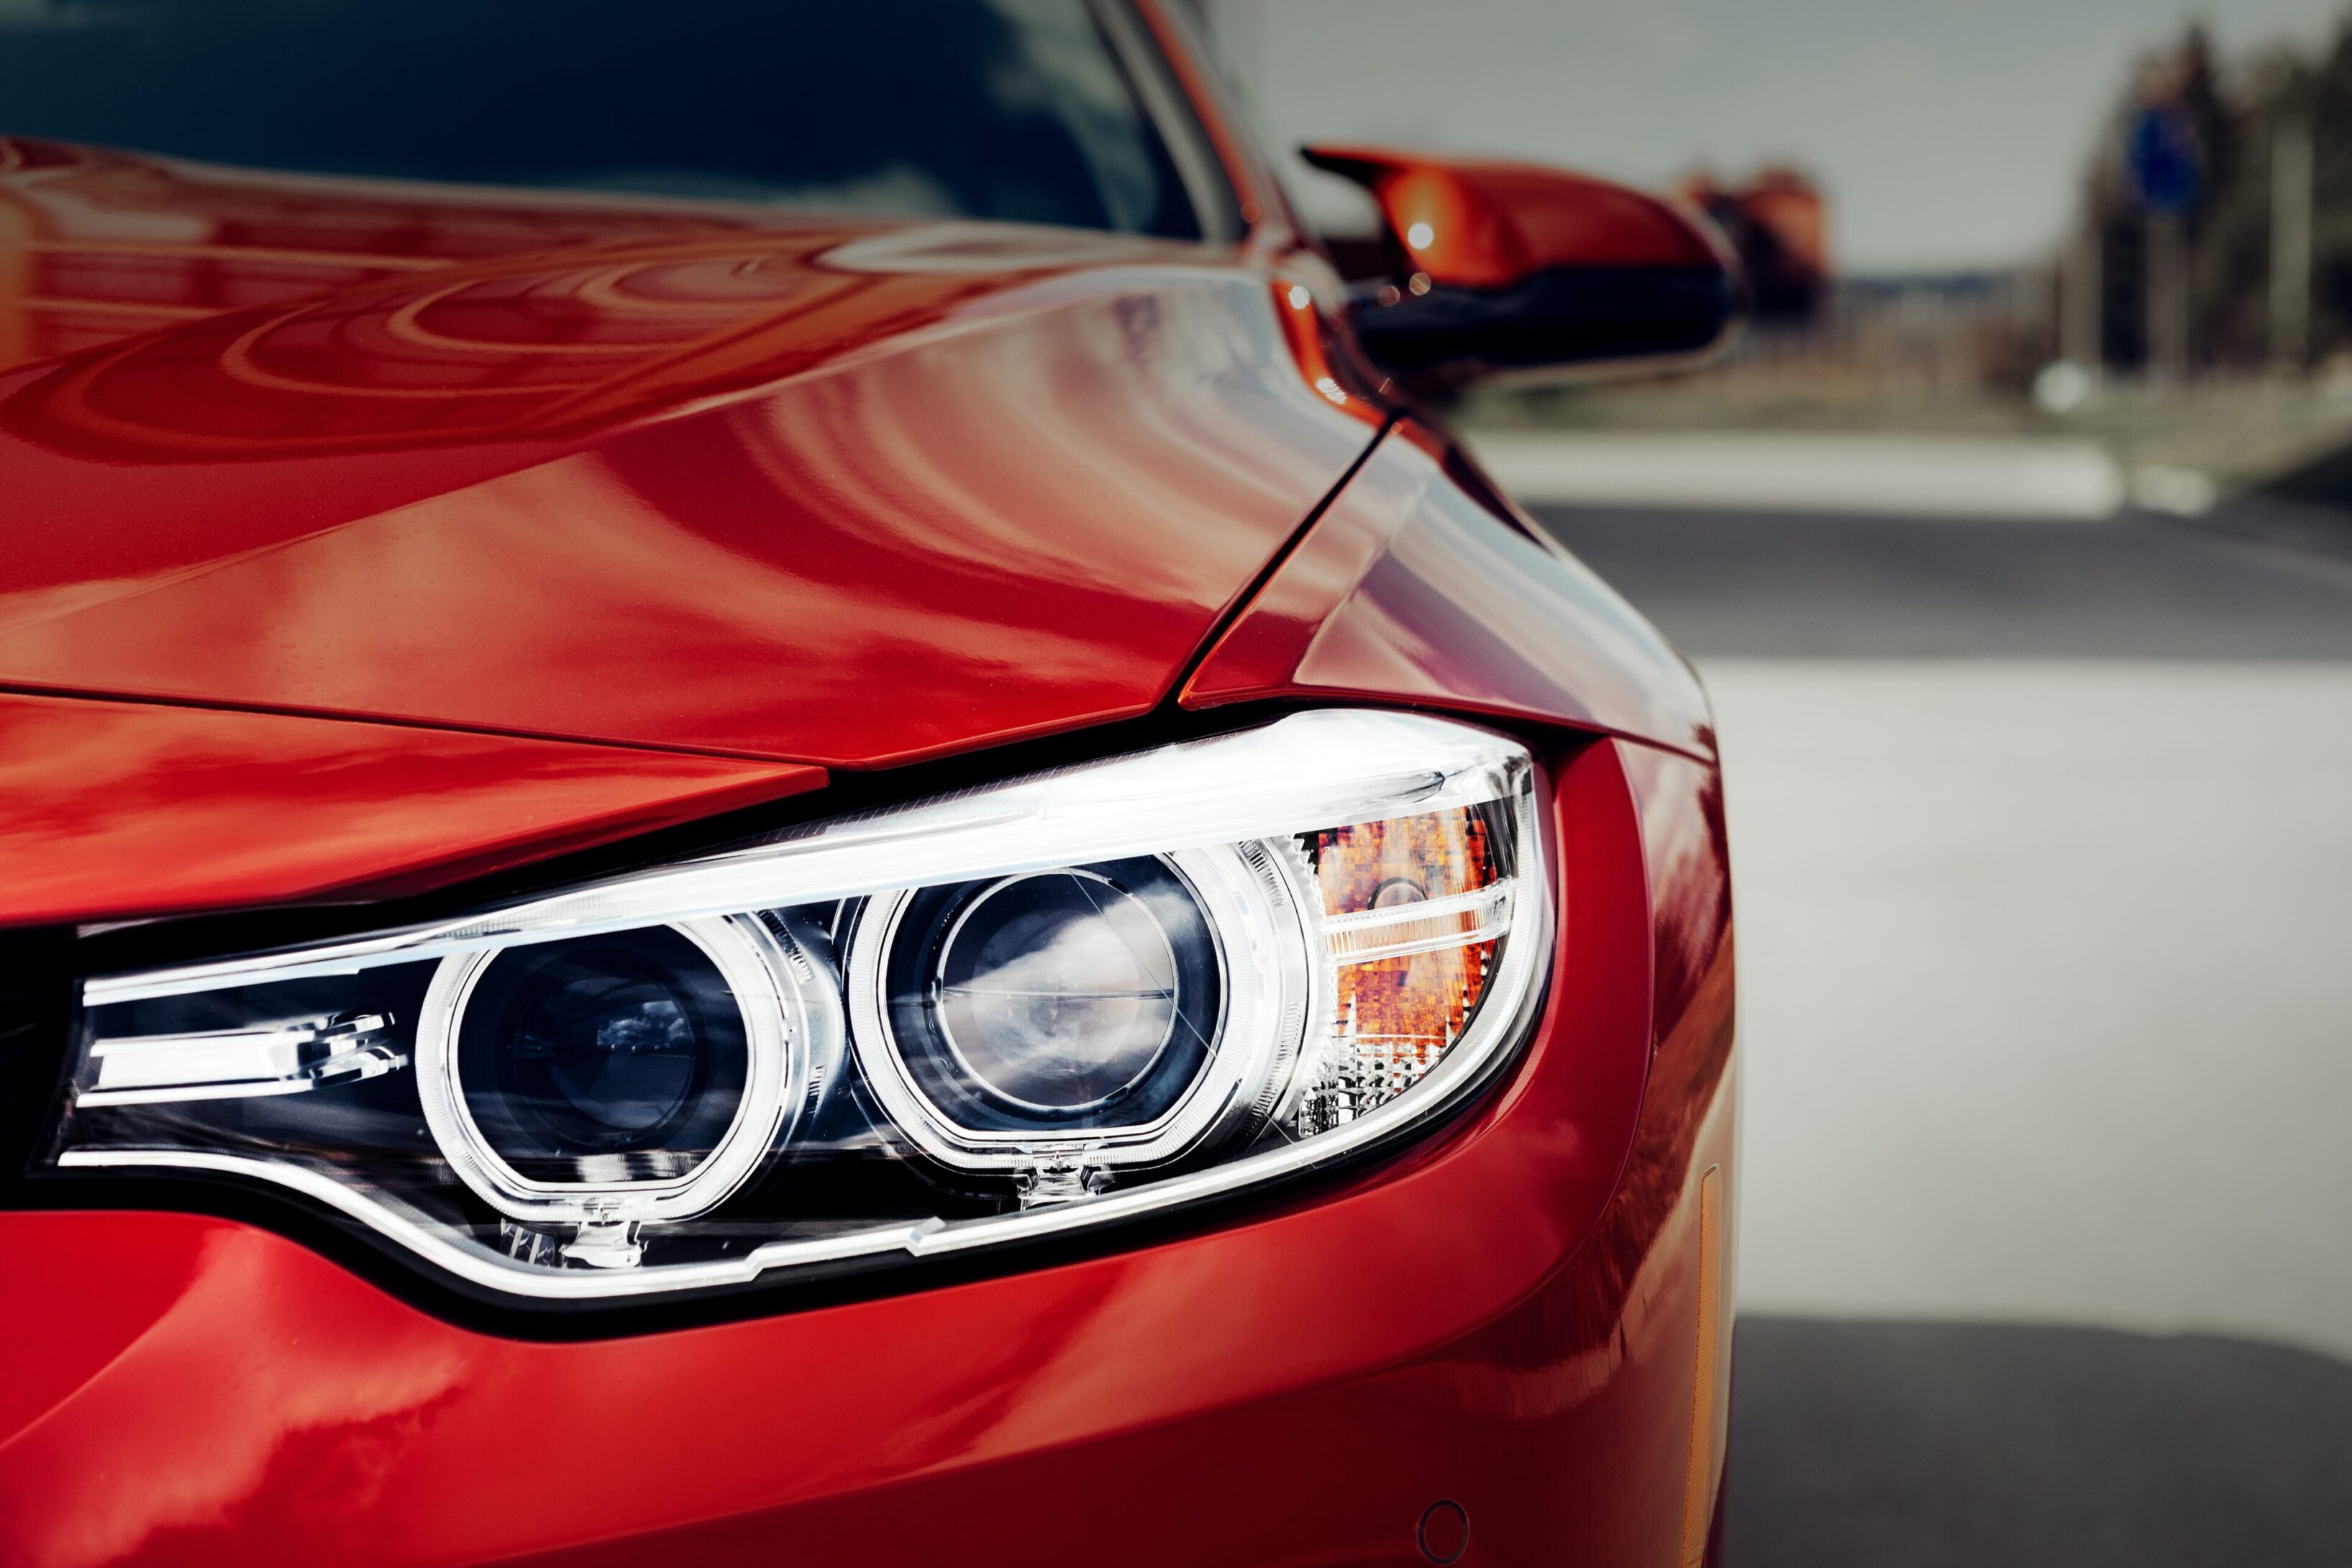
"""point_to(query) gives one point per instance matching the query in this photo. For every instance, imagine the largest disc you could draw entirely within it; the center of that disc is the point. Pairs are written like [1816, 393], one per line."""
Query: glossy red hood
[835, 492]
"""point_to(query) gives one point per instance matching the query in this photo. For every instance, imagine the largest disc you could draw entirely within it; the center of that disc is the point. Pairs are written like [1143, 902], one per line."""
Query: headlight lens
[1056, 994]
[1048, 1002]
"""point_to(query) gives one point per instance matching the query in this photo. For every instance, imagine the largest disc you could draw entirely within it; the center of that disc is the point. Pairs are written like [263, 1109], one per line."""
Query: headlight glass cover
[1039, 1004]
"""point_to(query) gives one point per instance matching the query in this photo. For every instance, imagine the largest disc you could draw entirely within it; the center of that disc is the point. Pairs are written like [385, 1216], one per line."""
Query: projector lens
[606, 1059]
[1083, 996]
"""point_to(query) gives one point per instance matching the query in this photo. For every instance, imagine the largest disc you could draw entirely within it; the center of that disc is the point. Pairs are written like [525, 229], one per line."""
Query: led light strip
[1324, 769]
[758, 971]
[1482, 914]
[1273, 1007]
[239, 1064]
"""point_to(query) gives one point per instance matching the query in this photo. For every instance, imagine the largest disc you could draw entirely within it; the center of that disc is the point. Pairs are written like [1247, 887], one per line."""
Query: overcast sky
[1948, 134]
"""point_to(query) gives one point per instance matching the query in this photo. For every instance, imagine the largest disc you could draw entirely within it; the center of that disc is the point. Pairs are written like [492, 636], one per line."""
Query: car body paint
[966, 485]
[747, 474]
[1503, 1318]
[115, 810]
[1410, 586]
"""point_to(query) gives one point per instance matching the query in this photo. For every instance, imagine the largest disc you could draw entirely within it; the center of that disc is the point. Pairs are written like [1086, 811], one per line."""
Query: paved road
[1914, 1445]
[1759, 585]
[2042, 843]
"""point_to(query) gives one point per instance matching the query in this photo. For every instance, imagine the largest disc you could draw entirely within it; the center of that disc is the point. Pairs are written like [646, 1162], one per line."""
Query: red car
[766, 797]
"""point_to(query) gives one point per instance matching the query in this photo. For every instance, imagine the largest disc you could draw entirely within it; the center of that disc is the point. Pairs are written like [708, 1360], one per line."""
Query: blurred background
[2015, 545]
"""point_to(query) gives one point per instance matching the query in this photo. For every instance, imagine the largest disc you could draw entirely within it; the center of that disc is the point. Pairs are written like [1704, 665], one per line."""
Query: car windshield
[1019, 109]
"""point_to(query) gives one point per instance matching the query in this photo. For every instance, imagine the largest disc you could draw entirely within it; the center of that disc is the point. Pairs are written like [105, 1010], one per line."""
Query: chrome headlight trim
[776, 1024]
[1269, 953]
[1326, 768]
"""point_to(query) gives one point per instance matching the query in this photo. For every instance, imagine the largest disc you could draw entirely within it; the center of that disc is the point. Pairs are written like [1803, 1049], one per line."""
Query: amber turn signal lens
[1406, 859]
[1414, 909]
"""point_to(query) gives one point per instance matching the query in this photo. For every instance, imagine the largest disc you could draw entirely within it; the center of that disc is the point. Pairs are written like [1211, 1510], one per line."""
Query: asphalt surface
[2042, 853]
[1760, 585]
[1926, 1445]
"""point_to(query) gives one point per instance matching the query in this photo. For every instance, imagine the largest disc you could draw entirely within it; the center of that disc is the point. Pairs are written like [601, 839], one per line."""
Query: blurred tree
[2236, 114]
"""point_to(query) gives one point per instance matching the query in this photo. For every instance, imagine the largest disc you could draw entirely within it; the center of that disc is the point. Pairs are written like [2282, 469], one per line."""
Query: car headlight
[1046, 1003]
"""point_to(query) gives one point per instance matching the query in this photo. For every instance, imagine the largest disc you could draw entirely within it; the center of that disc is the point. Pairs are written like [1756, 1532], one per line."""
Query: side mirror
[1504, 266]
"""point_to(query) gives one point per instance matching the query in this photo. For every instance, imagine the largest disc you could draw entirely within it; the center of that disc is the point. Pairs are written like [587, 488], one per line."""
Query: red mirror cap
[1485, 223]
